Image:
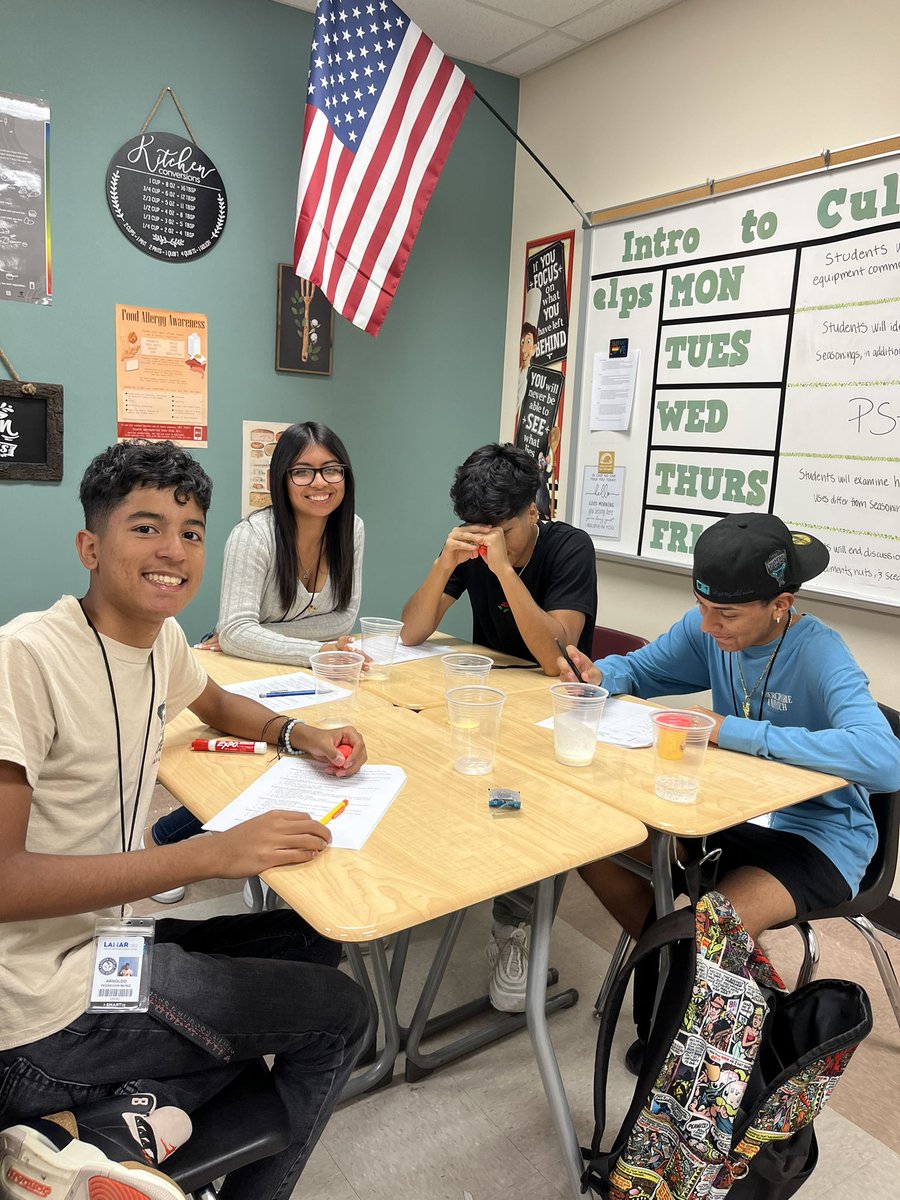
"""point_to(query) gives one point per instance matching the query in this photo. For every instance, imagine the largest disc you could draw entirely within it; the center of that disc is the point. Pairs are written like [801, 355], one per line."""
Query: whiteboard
[767, 329]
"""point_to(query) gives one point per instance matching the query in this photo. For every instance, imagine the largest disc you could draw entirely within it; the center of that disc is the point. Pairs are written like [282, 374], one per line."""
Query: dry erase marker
[228, 746]
[271, 695]
[335, 812]
[572, 666]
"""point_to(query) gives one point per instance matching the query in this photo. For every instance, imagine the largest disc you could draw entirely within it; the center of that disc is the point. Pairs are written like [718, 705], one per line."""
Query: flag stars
[344, 98]
[372, 89]
[342, 15]
[351, 135]
[368, 72]
[355, 14]
[399, 22]
[319, 64]
[354, 75]
[382, 67]
[361, 113]
[387, 26]
[370, 8]
[377, 47]
[363, 52]
[390, 43]
[357, 95]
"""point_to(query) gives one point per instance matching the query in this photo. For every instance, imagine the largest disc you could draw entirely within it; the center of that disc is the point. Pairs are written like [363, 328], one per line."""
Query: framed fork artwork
[304, 326]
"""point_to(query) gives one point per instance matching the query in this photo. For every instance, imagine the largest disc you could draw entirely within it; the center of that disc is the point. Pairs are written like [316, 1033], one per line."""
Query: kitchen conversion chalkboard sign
[166, 196]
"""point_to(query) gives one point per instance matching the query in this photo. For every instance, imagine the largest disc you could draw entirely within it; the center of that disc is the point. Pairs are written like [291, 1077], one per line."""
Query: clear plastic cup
[379, 639]
[462, 669]
[334, 669]
[474, 716]
[680, 739]
[577, 709]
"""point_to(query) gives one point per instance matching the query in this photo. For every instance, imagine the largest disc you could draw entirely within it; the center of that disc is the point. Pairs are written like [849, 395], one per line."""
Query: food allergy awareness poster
[24, 213]
[161, 365]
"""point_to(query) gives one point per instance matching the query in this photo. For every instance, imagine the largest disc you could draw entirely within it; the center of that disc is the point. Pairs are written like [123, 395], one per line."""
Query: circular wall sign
[166, 196]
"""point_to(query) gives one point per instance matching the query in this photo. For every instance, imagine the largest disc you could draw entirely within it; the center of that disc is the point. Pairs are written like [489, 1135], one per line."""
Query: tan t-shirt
[57, 721]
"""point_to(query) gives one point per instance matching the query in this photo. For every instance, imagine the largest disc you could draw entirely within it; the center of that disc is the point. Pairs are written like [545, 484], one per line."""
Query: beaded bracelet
[284, 738]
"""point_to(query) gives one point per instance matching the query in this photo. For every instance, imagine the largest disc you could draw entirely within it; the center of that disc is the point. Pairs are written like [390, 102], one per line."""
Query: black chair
[614, 641]
[246, 1121]
[873, 891]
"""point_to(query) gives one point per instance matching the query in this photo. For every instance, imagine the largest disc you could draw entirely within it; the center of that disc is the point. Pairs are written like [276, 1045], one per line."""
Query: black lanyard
[112, 692]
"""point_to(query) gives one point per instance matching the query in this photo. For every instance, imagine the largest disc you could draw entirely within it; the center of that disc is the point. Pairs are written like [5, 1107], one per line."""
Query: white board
[767, 323]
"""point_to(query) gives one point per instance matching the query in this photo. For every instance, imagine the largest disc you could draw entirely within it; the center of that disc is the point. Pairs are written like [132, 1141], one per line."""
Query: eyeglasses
[304, 475]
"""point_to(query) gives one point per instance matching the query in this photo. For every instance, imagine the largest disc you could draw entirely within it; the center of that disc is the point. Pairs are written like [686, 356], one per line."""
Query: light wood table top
[734, 787]
[420, 683]
[225, 669]
[439, 848]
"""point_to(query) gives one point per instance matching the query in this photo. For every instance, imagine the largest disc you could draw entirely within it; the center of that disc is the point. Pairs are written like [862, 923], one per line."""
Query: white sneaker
[173, 895]
[31, 1165]
[507, 951]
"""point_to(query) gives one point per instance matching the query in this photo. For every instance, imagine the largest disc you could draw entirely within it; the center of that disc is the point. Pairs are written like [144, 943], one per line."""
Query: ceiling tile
[539, 53]
[543, 12]
[469, 31]
[612, 16]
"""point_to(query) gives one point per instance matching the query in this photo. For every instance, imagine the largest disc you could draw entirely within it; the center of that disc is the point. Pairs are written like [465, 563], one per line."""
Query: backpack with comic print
[735, 1068]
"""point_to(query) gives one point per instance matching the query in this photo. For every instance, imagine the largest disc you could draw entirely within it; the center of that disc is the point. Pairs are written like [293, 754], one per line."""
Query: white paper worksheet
[426, 650]
[297, 682]
[622, 724]
[298, 785]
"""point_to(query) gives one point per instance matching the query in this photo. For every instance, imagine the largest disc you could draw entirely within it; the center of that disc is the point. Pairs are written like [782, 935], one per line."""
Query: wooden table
[438, 850]
[419, 684]
[734, 787]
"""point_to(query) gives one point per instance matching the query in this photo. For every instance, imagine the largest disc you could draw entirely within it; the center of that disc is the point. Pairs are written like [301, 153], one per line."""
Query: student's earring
[778, 620]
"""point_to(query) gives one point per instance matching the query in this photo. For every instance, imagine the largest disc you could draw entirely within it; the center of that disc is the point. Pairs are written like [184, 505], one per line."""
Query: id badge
[120, 975]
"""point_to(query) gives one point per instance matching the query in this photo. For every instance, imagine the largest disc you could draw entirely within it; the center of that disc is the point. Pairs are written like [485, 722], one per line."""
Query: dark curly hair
[114, 473]
[494, 484]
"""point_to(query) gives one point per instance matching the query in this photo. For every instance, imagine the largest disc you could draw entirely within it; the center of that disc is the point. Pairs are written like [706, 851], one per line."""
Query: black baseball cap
[754, 556]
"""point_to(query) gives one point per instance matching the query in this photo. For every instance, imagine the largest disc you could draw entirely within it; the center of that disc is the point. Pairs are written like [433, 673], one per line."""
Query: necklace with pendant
[764, 673]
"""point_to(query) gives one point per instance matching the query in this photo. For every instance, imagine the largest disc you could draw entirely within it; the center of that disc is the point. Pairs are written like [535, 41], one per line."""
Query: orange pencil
[335, 812]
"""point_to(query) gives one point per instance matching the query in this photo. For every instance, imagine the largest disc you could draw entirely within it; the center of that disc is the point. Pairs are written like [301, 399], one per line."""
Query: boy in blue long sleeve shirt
[785, 687]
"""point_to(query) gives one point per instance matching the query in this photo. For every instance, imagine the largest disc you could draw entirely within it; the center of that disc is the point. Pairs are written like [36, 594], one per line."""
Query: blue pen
[272, 695]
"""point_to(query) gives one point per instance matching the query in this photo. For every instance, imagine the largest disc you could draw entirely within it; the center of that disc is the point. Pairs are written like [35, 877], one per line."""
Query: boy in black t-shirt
[529, 583]
[534, 583]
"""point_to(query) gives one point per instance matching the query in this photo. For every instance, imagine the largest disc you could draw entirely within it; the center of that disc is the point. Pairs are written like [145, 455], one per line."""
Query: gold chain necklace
[748, 696]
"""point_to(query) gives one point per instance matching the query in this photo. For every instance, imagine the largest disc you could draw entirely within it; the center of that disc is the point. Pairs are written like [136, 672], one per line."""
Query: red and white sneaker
[42, 1160]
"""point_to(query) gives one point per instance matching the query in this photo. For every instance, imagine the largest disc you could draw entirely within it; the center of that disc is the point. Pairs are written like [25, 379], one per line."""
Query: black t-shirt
[561, 573]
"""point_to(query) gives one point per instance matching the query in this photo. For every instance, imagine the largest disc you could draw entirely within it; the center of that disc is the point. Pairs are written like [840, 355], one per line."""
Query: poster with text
[544, 340]
[24, 214]
[161, 367]
[258, 442]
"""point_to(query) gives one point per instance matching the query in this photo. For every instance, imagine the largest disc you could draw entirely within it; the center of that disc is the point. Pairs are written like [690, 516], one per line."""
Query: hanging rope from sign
[27, 388]
[155, 108]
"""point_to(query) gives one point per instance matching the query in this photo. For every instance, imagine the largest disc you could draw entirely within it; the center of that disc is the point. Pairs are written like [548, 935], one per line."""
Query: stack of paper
[298, 682]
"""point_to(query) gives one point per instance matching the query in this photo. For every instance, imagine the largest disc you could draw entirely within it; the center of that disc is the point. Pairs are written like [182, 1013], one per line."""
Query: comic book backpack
[735, 1068]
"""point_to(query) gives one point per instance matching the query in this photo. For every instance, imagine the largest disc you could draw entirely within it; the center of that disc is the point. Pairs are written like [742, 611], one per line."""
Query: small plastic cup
[474, 716]
[466, 669]
[333, 669]
[379, 639]
[679, 740]
[577, 709]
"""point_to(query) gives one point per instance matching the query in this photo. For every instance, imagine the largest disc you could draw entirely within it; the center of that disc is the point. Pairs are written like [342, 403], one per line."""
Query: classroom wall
[706, 89]
[409, 404]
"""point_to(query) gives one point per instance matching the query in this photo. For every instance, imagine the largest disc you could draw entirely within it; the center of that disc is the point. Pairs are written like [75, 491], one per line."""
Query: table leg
[419, 1063]
[536, 1015]
[364, 1081]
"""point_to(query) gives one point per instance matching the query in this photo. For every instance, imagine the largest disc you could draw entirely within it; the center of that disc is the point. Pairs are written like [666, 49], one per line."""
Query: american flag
[382, 110]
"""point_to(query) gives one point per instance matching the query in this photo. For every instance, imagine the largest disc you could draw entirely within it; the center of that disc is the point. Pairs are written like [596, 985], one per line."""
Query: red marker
[229, 746]
[482, 550]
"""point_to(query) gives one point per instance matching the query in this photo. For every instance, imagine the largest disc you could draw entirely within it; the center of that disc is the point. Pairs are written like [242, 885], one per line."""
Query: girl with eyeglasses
[291, 577]
[292, 574]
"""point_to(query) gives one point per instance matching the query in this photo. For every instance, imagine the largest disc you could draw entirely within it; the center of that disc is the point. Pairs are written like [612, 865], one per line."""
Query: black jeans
[223, 992]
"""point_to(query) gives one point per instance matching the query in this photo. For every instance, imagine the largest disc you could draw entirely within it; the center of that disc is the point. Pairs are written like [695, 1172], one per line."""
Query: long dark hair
[338, 527]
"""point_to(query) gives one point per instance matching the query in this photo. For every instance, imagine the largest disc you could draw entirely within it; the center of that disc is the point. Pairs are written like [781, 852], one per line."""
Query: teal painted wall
[409, 404]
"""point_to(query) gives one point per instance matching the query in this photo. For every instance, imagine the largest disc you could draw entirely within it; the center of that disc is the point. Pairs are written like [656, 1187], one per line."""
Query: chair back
[879, 877]
[614, 641]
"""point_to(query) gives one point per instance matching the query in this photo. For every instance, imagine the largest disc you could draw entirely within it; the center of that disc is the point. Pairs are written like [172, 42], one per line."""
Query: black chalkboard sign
[166, 196]
[538, 413]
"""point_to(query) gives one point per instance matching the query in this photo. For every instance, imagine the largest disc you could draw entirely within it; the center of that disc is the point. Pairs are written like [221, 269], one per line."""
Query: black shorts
[813, 881]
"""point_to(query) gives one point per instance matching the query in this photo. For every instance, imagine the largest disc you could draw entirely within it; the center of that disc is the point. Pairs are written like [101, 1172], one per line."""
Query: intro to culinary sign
[161, 365]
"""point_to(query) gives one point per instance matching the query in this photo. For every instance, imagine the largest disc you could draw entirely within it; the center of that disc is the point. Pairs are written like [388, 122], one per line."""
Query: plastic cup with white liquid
[577, 709]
